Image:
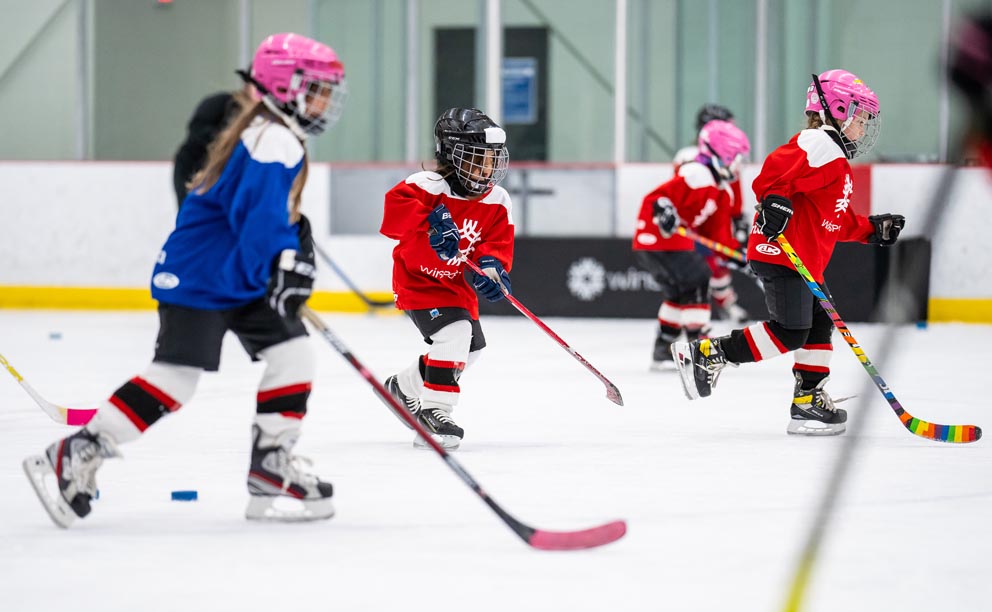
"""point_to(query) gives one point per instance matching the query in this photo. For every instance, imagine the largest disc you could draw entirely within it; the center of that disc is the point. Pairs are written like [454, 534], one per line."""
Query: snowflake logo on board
[586, 279]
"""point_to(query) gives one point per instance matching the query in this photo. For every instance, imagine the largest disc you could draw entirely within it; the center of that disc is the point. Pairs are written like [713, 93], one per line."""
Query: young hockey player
[699, 198]
[441, 218]
[721, 289]
[804, 190]
[239, 259]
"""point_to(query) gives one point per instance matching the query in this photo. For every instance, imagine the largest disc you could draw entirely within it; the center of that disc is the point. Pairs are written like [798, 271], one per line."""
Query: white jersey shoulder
[820, 148]
[500, 197]
[685, 154]
[269, 141]
[434, 184]
[696, 175]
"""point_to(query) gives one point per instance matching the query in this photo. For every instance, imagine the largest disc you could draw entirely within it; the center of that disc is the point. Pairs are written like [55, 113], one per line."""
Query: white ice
[718, 498]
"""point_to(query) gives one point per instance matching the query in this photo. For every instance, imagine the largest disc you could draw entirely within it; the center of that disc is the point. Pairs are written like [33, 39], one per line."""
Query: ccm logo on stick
[767, 249]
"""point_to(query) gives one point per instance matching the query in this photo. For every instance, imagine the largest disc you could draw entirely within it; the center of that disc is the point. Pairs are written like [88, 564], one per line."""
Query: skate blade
[37, 470]
[807, 427]
[282, 509]
[683, 363]
[447, 442]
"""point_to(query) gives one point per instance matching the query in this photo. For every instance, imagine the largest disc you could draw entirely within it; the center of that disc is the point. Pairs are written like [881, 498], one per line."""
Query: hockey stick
[536, 538]
[919, 427]
[612, 392]
[347, 281]
[712, 245]
[59, 414]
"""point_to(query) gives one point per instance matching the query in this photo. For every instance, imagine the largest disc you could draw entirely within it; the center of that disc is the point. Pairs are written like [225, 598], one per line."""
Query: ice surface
[717, 496]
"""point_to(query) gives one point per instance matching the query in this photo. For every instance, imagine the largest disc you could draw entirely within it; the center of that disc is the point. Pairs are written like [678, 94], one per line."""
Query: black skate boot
[73, 462]
[442, 428]
[699, 364]
[662, 358]
[277, 474]
[410, 403]
[814, 413]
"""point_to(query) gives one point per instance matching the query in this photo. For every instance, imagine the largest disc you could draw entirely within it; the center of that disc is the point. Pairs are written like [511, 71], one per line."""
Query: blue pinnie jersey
[221, 252]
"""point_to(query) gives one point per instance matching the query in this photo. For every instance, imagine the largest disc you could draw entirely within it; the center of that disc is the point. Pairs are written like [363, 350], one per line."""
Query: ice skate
[280, 488]
[814, 413]
[442, 428]
[662, 360]
[410, 403]
[699, 364]
[72, 462]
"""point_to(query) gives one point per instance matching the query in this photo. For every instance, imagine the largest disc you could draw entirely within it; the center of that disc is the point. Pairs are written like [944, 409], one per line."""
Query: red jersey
[702, 204]
[812, 171]
[421, 279]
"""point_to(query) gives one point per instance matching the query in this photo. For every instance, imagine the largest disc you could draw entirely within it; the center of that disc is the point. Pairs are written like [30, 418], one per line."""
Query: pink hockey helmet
[726, 145]
[300, 79]
[848, 99]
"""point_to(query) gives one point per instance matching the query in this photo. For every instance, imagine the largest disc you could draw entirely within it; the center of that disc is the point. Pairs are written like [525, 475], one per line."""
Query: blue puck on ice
[184, 496]
[921, 325]
[54, 335]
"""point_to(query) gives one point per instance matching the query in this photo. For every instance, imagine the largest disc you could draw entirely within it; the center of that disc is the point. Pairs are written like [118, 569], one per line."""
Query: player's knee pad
[285, 385]
[139, 403]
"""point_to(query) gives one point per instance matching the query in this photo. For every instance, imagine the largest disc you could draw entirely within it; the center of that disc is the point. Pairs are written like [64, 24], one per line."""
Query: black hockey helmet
[709, 112]
[474, 146]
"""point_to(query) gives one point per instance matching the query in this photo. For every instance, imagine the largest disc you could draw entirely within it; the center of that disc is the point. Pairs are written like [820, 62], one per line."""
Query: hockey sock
[762, 341]
[721, 290]
[140, 402]
[285, 386]
[444, 364]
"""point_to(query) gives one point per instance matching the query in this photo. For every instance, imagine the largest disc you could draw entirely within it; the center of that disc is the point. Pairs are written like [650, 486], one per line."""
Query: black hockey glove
[293, 273]
[443, 233]
[742, 229]
[666, 217]
[887, 228]
[773, 217]
[488, 284]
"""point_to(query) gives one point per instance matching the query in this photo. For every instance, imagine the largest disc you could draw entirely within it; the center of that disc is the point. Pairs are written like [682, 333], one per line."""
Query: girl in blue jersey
[240, 259]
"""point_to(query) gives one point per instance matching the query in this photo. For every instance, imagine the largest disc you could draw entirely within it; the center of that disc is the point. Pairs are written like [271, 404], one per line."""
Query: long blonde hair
[220, 150]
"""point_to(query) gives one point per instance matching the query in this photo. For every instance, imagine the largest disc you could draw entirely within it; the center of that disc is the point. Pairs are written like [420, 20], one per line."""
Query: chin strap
[827, 116]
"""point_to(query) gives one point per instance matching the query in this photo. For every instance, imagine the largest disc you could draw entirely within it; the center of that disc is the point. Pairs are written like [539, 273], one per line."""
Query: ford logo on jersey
[165, 280]
[768, 249]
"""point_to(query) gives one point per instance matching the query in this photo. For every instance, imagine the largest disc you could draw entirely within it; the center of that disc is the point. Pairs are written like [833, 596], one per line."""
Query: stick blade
[613, 394]
[577, 540]
[953, 434]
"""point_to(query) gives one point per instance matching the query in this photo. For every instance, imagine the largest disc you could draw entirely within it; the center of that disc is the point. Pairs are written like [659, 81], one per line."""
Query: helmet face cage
[479, 168]
[318, 104]
[870, 124]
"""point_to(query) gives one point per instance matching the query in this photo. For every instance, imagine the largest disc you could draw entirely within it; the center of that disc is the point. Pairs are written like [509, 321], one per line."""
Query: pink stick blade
[79, 416]
[576, 540]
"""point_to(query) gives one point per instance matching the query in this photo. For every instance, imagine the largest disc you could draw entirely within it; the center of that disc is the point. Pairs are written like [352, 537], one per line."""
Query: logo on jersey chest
[844, 201]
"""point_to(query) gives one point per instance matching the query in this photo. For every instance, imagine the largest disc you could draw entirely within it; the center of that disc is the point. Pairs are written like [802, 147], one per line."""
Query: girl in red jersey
[721, 287]
[804, 191]
[441, 218]
[698, 197]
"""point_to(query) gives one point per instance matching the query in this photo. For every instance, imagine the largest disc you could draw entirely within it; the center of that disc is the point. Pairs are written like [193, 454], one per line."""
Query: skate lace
[87, 458]
[442, 416]
[295, 468]
[822, 399]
